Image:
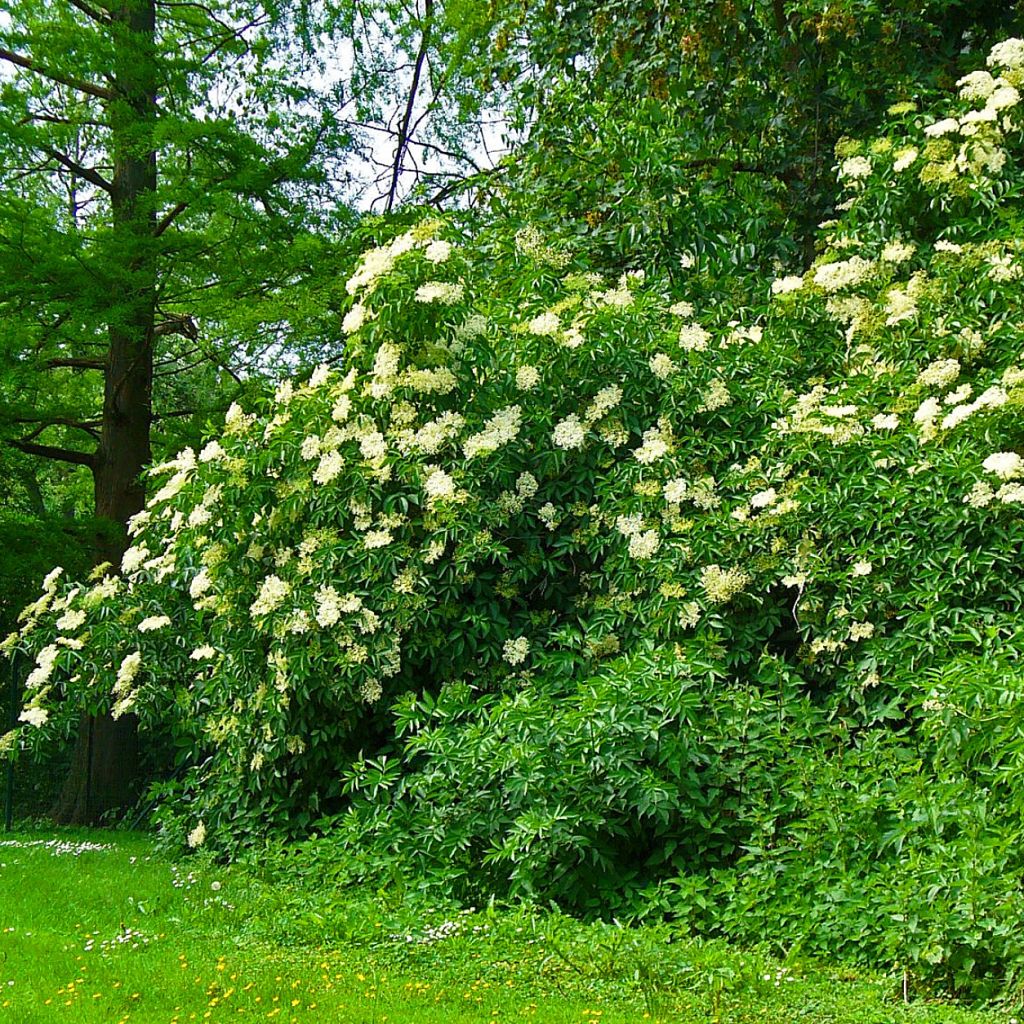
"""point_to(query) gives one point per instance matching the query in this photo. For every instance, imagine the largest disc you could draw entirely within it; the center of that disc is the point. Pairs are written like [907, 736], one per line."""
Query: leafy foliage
[705, 611]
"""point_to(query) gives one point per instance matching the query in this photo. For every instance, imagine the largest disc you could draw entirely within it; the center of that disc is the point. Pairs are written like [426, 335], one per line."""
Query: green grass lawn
[121, 933]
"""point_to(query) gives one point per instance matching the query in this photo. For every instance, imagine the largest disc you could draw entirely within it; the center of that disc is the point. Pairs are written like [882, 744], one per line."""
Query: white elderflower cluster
[835, 277]
[437, 251]
[196, 837]
[764, 499]
[499, 430]
[978, 85]
[676, 490]
[939, 374]
[722, 585]
[377, 539]
[444, 293]
[154, 622]
[662, 366]
[439, 486]
[272, 594]
[1007, 54]
[70, 620]
[515, 651]
[329, 467]
[905, 158]
[655, 446]
[786, 285]
[434, 435]
[604, 401]
[35, 716]
[715, 396]
[1005, 465]
[855, 168]
[545, 325]
[354, 319]
[375, 263]
[862, 567]
[947, 126]
[897, 251]
[527, 378]
[526, 485]
[693, 338]
[644, 545]
[203, 653]
[569, 433]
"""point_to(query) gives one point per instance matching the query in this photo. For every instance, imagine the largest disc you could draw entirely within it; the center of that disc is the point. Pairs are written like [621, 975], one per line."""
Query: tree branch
[92, 12]
[45, 451]
[76, 364]
[85, 173]
[99, 91]
[168, 219]
[403, 131]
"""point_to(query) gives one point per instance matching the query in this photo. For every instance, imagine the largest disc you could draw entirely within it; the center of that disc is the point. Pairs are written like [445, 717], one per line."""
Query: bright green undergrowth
[123, 933]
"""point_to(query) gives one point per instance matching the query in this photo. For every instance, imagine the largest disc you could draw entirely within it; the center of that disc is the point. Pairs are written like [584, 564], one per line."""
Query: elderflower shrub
[539, 512]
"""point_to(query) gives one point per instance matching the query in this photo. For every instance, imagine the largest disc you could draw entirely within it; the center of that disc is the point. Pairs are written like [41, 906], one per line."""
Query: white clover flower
[515, 651]
[1005, 465]
[527, 378]
[662, 366]
[785, 285]
[154, 622]
[569, 433]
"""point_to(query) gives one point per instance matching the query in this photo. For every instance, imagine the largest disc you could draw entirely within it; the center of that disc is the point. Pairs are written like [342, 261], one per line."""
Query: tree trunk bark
[104, 775]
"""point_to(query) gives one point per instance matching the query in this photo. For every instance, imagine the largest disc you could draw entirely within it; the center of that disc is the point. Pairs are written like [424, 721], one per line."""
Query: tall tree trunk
[104, 775]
